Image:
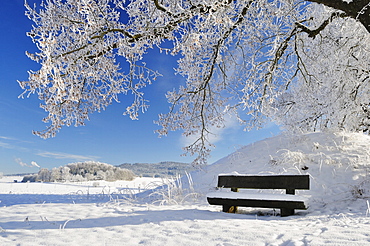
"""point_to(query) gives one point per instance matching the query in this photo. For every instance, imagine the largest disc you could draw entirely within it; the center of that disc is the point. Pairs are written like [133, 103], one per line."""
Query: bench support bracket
[286, 212]
[229, 209]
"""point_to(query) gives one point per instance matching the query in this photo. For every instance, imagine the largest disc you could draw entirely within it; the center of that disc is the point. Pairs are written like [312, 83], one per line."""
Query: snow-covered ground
[132, 213]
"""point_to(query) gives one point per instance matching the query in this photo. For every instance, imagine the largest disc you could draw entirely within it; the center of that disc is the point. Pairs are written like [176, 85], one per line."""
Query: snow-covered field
[132, 213]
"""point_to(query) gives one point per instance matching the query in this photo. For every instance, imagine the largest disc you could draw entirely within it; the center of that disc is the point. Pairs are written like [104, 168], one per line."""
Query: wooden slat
[265, 182]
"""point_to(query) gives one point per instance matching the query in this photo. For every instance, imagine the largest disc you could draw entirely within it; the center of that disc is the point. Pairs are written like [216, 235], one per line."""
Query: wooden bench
[285, 202]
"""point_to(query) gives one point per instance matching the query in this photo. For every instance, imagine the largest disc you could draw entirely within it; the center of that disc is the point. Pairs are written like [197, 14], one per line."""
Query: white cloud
[33, 163]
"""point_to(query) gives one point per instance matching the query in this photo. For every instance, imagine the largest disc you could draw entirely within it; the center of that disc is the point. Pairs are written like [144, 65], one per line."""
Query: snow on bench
[287, 203]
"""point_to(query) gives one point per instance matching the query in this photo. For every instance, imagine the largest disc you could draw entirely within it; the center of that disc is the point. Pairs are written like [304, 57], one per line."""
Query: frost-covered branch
[313, 33]
[357, 9]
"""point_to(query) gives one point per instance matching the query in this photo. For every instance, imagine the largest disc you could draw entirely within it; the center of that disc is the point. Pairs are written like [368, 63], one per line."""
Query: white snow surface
[137, 213]
[256, 196]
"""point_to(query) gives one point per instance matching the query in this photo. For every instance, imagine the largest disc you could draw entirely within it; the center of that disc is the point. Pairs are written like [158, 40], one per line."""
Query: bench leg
[229, 209]
[286, 212]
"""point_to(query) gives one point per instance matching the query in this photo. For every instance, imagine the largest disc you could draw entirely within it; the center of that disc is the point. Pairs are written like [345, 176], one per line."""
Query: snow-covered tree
[250, 56]
[333, 89]
[55, 174]
[64, 173]
[44, 175]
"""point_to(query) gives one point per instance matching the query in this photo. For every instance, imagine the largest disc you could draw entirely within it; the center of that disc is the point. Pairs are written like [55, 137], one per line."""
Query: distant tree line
[81, 171]
[158, 170]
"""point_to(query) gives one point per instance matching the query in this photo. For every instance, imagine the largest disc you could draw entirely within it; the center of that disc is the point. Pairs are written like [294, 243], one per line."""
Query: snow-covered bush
[29, 178]
[123, 174]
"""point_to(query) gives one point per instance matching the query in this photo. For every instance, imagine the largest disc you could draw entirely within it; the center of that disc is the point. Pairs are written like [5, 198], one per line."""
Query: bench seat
[232, 199]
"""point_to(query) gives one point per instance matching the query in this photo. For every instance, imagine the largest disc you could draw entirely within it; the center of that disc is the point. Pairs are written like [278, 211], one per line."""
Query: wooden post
[233, 209]
[286, 212]
[229, 209]
[290, 191]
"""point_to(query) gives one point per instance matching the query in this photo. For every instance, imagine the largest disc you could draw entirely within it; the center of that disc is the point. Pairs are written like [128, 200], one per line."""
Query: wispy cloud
[20, 162]
[7, 138]
[12, 143]
[217, 133]
[57, 155]
[14, 139]
[11, 146]
[5, 145]
[23, 164]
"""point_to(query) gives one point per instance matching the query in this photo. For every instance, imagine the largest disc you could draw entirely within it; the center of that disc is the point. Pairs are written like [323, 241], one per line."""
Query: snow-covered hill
[338, 164]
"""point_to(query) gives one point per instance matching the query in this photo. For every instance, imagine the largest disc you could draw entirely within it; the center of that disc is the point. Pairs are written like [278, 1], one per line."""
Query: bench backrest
[301, 182]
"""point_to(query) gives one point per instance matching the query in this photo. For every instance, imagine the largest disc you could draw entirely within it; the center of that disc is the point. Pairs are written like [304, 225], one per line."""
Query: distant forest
[81, 171]
[159, 170]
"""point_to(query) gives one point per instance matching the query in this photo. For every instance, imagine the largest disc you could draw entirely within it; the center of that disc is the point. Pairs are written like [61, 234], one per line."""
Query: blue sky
[108, 137]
